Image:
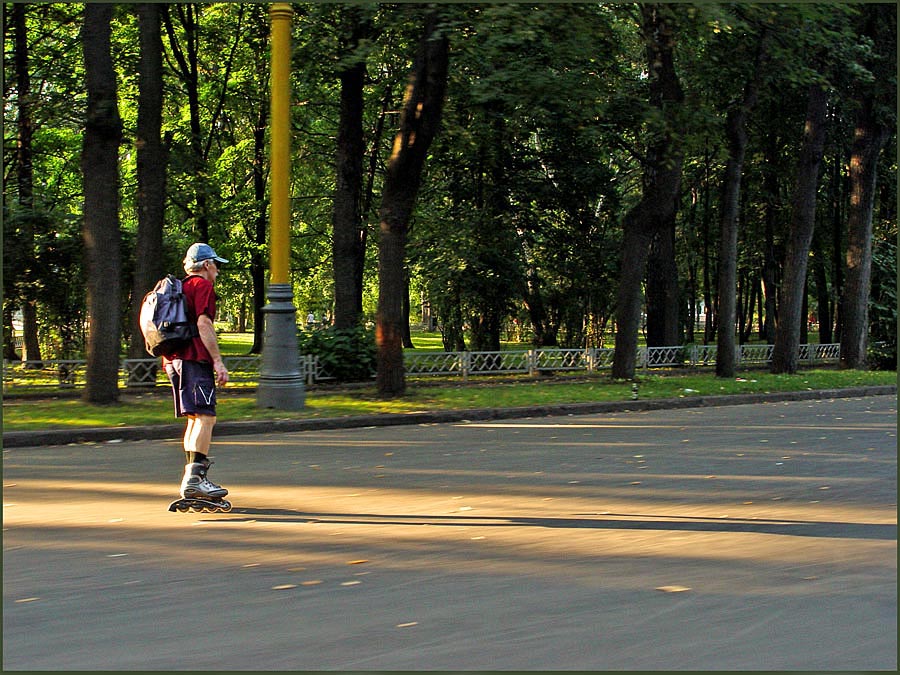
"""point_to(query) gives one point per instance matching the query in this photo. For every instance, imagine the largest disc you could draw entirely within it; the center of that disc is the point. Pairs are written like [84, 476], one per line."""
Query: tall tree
[661, 181]
[419, 121]
[260, 224]
[186, 53]
[871, 133]
[771, 271]
[151, 168]
[736, 135]
[31, 350]
[348, 228]
[206, 76]
[102, 237]
[791, 316]
[256, 227]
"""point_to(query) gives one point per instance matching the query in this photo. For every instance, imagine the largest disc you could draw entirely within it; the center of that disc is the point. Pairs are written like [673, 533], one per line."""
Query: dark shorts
[193, 387]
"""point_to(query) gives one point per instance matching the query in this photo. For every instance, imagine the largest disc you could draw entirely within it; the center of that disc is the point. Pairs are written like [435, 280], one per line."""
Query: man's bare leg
[198, 434]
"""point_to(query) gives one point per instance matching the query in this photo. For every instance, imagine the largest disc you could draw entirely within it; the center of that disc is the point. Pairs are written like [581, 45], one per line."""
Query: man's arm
[208, 336]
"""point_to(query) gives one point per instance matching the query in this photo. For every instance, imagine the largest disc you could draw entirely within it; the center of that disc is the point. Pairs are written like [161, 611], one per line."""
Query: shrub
[347, 354]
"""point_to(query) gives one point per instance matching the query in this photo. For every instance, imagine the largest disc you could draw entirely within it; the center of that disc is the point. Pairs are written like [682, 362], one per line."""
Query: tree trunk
[839, 179]
[260, 224]
[751, 283]
[537, 312]
[791, 317]
[823, 297]
[348, 242]
[770, 272]
[419, 121]
[9, 345]
[728, 239]
[736, 137]
[31, 348]
[709, 299]
[662, 179]
[662, 290]
[151, 170]
[691, 323]
[451, 323]
[869, 139]
[406, 337]
[102, 237]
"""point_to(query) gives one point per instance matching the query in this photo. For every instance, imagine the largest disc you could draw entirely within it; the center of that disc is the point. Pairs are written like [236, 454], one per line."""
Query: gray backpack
[164, 318]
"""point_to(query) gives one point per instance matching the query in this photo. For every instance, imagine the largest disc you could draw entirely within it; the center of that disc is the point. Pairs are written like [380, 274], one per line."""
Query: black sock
[195, 458]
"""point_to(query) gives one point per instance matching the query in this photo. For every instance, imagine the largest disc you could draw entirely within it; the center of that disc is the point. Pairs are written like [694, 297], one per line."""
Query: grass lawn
[155, 407]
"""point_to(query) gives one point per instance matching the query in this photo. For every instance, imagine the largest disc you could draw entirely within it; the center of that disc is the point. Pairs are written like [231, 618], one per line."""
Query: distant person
[196, 371]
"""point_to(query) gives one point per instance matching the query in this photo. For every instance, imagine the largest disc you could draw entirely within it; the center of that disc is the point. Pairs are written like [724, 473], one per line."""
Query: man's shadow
[610, 521]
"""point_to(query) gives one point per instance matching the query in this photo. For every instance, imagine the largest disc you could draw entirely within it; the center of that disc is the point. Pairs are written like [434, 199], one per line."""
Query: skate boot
[195, 483]
[198, 493]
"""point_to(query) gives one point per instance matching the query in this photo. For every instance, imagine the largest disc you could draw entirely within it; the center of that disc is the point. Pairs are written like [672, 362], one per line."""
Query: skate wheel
[225, 507]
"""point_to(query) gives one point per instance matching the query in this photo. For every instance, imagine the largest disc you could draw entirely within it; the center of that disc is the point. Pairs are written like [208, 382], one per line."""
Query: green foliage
[883, 307]
[54, 274]
[347, 354]
[523, 197]
[539, 156]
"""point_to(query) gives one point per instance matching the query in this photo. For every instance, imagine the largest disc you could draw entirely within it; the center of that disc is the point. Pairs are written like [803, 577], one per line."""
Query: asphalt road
[753, 537]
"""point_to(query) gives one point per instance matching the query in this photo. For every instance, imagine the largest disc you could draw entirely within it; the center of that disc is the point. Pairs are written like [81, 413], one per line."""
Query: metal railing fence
[63, 374]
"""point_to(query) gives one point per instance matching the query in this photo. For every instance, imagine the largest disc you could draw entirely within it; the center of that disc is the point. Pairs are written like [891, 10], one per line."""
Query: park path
[753, 537]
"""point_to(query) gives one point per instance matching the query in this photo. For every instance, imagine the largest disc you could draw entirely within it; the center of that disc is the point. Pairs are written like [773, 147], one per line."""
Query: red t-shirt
[201, 299]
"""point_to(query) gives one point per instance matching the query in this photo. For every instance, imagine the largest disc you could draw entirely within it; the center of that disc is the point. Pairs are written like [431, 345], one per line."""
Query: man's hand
[221, 372]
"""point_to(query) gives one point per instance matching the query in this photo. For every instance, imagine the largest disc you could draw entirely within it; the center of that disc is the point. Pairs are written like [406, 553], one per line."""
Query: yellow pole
[280, 377]
[280, 14]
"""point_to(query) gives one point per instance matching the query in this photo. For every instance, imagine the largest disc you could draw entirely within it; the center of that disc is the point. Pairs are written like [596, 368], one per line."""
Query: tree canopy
[555, 138]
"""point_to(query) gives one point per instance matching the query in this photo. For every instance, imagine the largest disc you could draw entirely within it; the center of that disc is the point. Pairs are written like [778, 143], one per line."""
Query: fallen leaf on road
[673, 589]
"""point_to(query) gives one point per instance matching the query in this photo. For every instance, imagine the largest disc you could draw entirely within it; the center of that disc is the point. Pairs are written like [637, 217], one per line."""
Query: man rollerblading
[195, 371]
